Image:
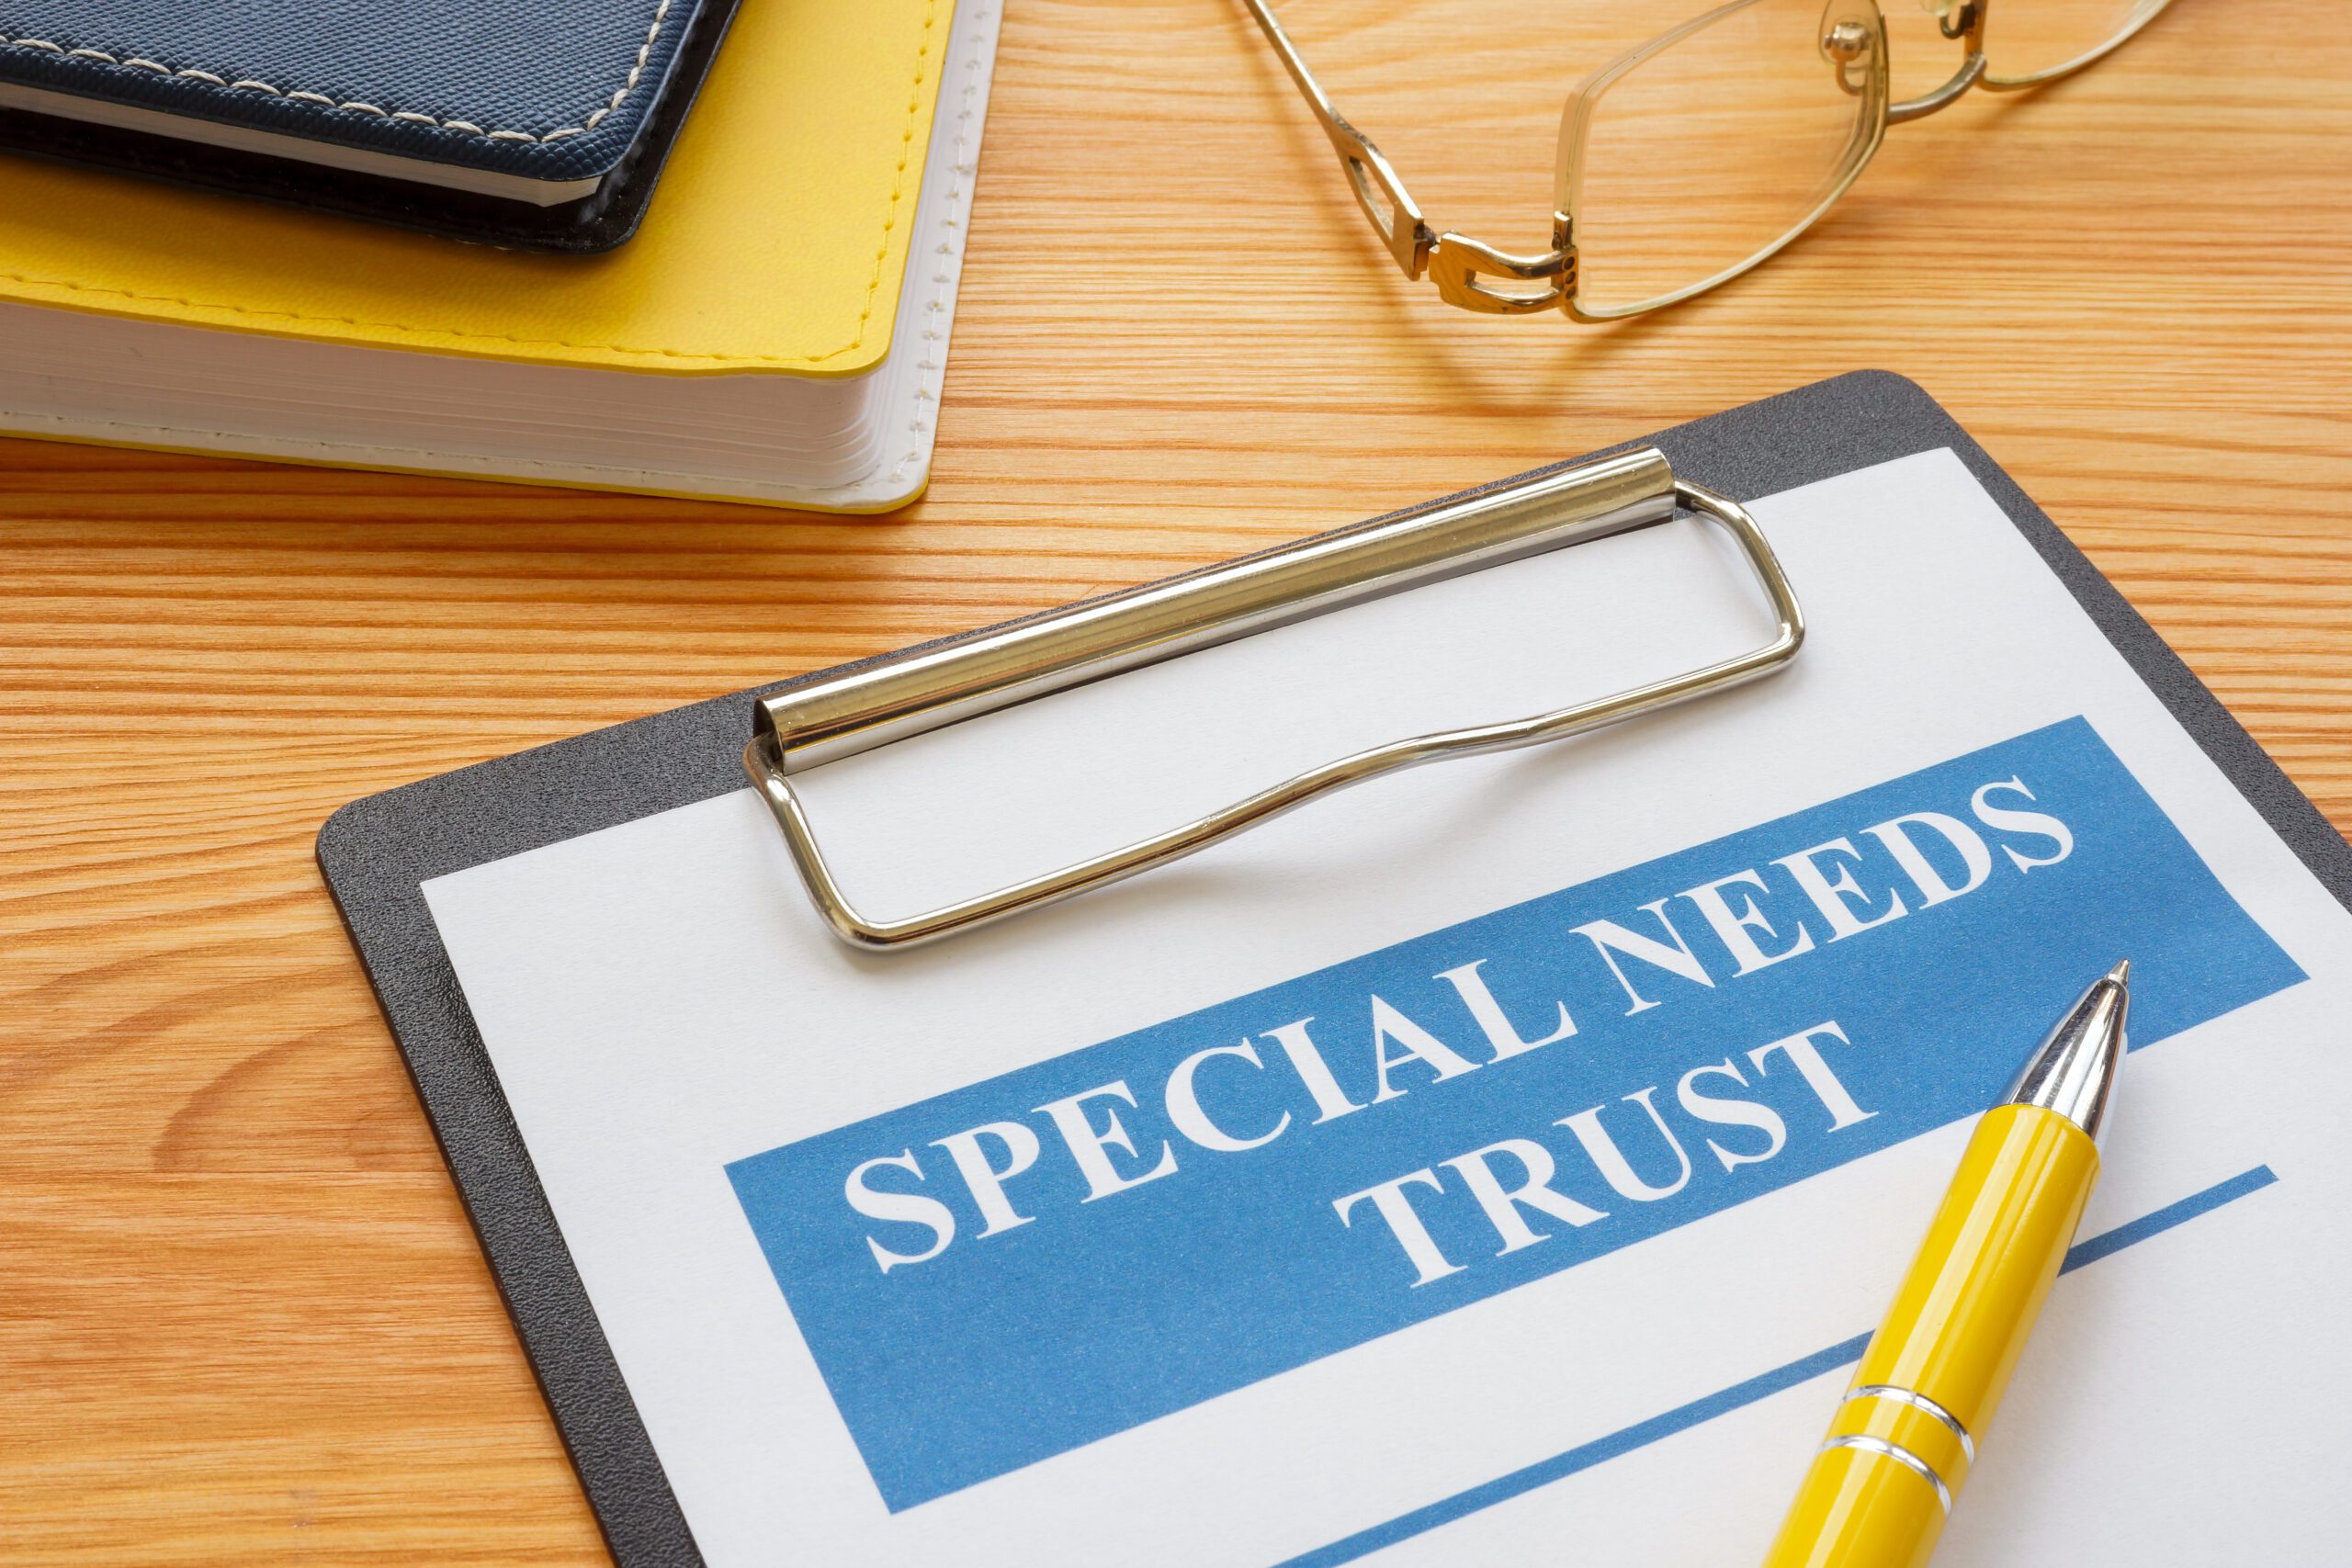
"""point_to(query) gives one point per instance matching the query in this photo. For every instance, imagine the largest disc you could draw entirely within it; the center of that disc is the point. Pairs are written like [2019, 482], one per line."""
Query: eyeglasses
[1689, 160]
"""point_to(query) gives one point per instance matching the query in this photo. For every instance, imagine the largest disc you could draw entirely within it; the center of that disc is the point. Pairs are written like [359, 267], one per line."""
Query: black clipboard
[378, 851]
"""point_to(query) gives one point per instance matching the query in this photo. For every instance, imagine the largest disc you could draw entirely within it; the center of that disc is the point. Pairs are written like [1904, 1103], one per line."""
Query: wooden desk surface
[241, 1316]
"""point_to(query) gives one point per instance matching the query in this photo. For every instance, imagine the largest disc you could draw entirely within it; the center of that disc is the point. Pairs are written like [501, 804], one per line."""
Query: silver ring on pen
[1900, 1455]
[1920, 1401]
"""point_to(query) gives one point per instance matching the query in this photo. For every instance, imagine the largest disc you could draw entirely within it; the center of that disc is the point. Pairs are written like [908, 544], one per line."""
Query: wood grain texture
[241, 1316]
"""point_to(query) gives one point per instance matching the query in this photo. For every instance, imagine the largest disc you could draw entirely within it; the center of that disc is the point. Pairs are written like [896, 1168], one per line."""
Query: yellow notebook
[763, 339]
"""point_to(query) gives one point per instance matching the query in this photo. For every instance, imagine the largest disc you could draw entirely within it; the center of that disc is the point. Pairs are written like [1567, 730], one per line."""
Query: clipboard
[377, 852]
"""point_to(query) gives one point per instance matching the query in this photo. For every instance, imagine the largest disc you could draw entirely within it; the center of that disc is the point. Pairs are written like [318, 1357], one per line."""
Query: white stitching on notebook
[636, 73]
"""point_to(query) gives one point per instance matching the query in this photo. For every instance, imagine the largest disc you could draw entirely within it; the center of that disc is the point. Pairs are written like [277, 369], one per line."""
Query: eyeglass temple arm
[1394, 214]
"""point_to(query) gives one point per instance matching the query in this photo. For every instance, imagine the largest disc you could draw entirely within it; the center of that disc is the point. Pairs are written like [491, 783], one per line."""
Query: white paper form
[1176, 1224]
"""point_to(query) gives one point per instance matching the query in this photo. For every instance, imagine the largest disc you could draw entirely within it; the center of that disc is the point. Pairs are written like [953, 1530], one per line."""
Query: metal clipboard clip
[929, 688]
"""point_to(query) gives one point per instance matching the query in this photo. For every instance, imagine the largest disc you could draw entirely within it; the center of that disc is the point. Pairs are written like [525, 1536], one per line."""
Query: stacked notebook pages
[744, 293]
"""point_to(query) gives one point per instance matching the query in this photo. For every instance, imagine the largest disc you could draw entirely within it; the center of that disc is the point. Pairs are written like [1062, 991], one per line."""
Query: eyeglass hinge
[1457, 263]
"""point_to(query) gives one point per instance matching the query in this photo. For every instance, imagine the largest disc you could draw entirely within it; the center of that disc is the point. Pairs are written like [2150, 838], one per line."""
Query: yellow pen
[1900, 1447]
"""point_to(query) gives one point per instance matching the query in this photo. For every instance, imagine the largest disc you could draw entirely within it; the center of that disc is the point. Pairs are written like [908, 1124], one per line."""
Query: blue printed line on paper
[2164, 1219]
[1584, 1456]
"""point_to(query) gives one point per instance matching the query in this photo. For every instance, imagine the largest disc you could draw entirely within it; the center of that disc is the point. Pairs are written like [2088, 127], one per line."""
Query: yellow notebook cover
[776, 242]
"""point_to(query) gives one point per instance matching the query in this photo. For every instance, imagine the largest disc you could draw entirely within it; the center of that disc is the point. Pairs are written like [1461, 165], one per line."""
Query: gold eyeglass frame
[1525, 285]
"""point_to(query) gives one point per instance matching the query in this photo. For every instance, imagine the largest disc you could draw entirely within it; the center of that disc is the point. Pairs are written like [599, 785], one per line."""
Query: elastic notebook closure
[926, 689]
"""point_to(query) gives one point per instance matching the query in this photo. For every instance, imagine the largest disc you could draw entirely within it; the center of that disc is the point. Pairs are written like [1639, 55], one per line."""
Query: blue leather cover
[549, 89]
[626, 146]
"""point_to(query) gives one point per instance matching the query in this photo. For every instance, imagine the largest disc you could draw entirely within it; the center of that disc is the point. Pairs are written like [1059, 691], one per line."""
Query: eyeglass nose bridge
[1963, 21]
[1457, 263]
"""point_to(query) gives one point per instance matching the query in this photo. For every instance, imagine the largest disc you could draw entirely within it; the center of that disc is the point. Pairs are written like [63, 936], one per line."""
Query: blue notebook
[540, 125]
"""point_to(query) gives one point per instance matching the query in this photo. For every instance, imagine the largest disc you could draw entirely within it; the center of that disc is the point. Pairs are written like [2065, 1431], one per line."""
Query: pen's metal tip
[2073, 1072]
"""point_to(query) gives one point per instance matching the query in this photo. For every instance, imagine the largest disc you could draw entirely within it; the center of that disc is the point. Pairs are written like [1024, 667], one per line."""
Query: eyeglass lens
[1705, 150]
[1692, 157]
